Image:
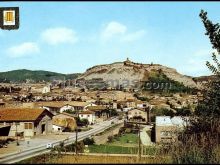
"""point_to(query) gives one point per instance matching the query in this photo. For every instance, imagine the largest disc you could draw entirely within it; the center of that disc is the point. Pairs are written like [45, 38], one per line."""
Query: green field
[125, 140]
[125, 144]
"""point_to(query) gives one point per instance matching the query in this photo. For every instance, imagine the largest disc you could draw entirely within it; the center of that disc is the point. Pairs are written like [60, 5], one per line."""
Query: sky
[70, 37]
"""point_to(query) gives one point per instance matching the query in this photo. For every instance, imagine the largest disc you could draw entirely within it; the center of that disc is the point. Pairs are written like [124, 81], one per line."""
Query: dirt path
[145, 138]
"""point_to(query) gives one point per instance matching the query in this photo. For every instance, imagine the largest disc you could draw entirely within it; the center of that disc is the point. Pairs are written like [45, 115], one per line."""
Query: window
[25, 125]
[81, 115]
[28, 126]
[88, 115]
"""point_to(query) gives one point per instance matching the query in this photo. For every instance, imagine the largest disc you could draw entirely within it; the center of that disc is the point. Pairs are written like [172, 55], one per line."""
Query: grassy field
[125, 144]
[125, 139]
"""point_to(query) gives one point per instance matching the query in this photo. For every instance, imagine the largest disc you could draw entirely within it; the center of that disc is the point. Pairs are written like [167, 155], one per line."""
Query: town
[49, 113]
[109, 83]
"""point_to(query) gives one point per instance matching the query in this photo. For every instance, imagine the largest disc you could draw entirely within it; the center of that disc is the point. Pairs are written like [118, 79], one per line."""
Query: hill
[131, 72]
[24, 75]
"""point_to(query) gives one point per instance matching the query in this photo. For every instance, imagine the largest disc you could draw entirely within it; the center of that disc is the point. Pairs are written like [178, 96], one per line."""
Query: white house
[89, 115]
[57, 107]
[66, 107]
[46, 89]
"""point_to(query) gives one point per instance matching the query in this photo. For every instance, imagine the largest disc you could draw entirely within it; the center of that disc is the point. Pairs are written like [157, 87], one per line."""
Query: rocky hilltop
[132, 72]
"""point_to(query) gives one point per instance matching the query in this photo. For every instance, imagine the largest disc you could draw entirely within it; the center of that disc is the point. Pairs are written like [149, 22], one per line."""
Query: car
[49, 145]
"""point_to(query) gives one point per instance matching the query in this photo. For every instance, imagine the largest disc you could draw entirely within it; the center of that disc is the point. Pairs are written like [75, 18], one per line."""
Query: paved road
[41, 149]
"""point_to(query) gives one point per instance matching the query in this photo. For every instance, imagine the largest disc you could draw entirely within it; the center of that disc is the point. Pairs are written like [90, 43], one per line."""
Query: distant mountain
[24, 75]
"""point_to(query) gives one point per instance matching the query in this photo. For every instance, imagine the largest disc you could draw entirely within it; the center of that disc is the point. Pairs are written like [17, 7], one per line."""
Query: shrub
[128, 130]
[110, 139]
[88, 141]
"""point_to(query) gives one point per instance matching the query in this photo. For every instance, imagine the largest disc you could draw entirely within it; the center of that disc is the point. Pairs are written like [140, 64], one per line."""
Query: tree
[213, 31]
[84, 122]
[210, 104]
[88, 141]
[200, 140]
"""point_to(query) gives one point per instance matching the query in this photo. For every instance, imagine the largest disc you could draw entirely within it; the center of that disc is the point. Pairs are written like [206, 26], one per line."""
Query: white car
[49, 145]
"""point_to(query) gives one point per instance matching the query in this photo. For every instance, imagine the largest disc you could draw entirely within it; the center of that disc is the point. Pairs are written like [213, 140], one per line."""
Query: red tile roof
[17, 114]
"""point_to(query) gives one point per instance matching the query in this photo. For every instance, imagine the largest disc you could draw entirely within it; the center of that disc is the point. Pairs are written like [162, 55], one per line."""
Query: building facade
[26, 122]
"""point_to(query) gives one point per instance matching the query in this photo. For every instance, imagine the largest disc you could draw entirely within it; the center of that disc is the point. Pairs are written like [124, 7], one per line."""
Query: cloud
[23, 49]
[113, 29]
[54, 36]
[116, 30]
[133, 36]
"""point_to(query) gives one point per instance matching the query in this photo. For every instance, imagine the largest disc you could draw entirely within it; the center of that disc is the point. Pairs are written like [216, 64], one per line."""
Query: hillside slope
[131, 72]
[36, 76]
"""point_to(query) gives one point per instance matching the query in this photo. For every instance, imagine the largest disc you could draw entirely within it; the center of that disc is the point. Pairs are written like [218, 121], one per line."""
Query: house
[130, 103]
[167, 128]
[137, 115]
[101, 112]
[140, 104]
[26, 122]
[64, 122]
[40, 88]
[46, 89]
[80, 105]
[57, 107]
[89, 115]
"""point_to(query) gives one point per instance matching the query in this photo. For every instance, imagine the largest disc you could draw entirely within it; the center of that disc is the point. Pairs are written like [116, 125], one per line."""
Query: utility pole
[139, 142]
[76, 142]
[16, 133]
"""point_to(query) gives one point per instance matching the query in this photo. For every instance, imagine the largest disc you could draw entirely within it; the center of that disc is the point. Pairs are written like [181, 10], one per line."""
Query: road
[41, 149]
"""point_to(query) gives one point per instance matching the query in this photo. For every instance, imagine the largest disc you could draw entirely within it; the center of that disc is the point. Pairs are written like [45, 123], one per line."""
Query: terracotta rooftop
[16, 114]
[64, 114]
